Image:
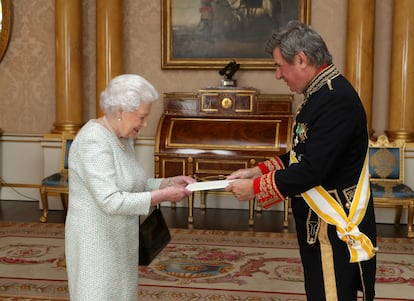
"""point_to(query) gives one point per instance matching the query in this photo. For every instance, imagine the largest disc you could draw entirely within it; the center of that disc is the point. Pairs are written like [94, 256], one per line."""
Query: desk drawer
[211, 167]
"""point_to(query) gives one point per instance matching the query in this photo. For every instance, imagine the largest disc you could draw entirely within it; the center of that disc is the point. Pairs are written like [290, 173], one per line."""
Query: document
[208, 185]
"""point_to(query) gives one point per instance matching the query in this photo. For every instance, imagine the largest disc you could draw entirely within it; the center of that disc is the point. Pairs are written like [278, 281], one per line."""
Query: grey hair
[126, 93]
[296, 36]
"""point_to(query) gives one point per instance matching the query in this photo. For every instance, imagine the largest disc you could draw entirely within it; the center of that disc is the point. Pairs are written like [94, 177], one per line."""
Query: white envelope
[209, 185]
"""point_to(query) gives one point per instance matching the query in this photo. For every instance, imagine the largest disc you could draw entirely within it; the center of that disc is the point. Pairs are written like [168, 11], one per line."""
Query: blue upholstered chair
[386, 168]
[57, 183]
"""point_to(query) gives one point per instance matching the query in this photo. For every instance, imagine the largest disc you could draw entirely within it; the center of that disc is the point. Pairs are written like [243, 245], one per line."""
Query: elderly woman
[108, 192]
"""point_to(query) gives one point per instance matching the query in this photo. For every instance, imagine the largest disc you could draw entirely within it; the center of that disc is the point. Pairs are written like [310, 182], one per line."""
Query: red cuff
[263, 168]
[270, 165]
[256, 185]
[266, 191]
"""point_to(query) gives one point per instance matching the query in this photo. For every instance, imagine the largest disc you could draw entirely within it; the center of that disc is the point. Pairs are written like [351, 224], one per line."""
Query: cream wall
[27, 72]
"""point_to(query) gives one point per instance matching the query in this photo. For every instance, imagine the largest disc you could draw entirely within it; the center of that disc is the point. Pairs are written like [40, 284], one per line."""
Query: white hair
[126, 93]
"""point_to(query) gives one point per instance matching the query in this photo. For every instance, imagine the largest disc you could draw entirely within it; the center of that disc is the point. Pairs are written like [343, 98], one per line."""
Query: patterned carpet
[196, 265]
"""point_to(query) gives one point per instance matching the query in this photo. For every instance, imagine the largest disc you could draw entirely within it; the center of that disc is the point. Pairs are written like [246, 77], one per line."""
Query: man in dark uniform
[324, 173]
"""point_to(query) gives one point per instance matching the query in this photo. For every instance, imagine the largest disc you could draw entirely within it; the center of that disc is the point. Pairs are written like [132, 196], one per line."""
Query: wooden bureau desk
[216, 131]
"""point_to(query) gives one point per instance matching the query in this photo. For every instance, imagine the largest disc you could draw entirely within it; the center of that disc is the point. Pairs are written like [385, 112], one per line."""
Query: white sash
[327, 208]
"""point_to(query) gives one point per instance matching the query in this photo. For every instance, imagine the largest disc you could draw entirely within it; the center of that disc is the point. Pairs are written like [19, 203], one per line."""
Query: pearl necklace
[121, 145]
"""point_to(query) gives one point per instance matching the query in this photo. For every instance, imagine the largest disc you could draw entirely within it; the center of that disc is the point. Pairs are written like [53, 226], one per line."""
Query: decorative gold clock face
[226, 103]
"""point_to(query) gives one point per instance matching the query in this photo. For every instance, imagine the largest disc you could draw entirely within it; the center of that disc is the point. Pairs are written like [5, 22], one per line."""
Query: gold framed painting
[207, 34]
[5, 25]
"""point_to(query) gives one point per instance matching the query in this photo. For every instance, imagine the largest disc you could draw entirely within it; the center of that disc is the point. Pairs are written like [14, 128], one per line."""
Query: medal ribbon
[319, 200]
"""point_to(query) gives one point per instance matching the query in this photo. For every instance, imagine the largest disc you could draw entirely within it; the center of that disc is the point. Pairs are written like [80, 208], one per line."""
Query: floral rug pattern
[197, 265]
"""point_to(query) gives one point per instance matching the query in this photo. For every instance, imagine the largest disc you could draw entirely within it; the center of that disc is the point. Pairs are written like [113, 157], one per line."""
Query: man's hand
[246, 173]
[242, 189]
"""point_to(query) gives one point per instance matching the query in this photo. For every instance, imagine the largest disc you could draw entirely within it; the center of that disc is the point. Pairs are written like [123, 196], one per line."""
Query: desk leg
[190, 208]
[286, 212]
[203, 197]
[251, 212]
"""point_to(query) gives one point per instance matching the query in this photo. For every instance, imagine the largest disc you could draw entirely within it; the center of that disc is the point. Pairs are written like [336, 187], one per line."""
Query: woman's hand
[182, 181]
[172, 189]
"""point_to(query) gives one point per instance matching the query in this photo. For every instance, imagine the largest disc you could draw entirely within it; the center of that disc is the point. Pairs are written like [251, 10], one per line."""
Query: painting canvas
[210, 33]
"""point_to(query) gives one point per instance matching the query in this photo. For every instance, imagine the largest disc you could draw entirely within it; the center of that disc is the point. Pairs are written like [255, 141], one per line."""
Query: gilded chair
[386, 168]
[57, 183]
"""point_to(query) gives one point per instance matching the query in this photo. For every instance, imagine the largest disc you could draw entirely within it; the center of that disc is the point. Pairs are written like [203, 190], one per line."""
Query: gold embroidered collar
[324, 77]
